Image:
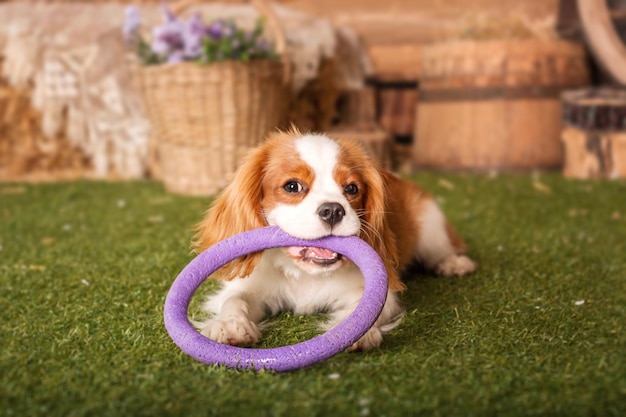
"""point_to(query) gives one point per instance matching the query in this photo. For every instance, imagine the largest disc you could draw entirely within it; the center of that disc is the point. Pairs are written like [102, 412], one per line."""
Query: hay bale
[25, 153]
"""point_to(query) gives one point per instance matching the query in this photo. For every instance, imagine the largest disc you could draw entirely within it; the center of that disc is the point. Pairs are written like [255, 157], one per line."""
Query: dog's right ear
[236, 209]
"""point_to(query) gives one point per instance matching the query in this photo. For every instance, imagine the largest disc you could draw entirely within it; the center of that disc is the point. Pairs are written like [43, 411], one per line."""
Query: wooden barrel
[495, 104]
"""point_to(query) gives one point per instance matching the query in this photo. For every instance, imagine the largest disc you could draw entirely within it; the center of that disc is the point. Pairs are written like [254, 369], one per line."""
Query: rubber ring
[285, 358]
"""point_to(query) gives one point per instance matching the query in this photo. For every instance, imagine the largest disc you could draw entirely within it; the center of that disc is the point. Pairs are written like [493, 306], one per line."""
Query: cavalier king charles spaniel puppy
[312, 186]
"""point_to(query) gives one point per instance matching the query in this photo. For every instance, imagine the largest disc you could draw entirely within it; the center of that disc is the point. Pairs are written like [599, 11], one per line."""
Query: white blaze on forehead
[319, 152]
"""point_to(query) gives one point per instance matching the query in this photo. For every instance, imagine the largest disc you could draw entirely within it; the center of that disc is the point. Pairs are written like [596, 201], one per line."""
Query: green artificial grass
[539, 330]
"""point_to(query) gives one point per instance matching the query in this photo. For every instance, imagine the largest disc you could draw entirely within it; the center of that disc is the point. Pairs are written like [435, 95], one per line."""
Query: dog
[313, 186]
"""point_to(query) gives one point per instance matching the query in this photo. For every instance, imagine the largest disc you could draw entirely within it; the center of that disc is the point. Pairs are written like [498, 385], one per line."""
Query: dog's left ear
[376, 231]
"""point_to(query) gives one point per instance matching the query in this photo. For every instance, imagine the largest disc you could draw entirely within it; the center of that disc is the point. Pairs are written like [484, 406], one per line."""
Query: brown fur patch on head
[238, 208]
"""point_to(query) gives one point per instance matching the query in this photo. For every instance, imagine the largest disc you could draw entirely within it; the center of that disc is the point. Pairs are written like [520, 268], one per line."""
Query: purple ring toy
[285, 358]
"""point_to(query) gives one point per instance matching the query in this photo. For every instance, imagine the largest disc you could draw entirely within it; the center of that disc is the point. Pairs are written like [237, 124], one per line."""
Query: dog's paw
[232, 330]
[370, 340]
[455, 265]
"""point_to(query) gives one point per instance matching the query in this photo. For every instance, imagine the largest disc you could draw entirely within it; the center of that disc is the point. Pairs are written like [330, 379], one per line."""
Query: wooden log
[595, 134]
[595, 109]
[593, 154]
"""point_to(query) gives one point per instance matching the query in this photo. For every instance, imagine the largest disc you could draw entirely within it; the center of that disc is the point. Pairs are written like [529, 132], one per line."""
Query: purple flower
[176, 40]
[192, 36]
[215, 29]
[167, 38]
[132, 21]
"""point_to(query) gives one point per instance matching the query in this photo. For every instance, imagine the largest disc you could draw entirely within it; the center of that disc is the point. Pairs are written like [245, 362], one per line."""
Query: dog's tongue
[308, 252]
[319, 253]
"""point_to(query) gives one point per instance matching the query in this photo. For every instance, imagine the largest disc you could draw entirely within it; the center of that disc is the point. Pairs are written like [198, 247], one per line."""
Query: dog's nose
[331, 213]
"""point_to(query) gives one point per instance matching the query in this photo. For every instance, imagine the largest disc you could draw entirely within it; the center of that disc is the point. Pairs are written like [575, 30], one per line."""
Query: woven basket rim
[165, 67]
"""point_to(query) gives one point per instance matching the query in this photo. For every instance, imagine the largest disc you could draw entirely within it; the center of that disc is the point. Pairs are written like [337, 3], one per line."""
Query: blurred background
[470, 85]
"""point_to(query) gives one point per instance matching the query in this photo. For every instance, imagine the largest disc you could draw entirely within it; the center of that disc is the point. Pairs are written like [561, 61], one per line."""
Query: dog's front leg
[389, 318]
[236, 321]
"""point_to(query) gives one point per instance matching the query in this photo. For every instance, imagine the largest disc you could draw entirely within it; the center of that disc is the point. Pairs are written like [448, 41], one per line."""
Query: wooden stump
[594, 154]
[595, 133]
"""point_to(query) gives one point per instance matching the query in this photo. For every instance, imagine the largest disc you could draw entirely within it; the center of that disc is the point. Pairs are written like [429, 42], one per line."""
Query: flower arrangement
[176, 40]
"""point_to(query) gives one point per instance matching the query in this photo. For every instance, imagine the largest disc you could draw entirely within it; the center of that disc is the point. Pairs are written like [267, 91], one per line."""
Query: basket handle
[265, 10]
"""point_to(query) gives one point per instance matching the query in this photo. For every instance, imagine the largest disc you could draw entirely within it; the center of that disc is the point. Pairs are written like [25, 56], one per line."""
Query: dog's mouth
[318, 256]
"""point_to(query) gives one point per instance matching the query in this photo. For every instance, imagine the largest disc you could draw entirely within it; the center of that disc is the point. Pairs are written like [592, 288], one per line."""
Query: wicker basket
[206, 118]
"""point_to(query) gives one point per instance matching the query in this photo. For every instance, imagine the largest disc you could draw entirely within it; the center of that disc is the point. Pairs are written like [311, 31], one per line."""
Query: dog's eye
[351, 189]
[293, 187]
